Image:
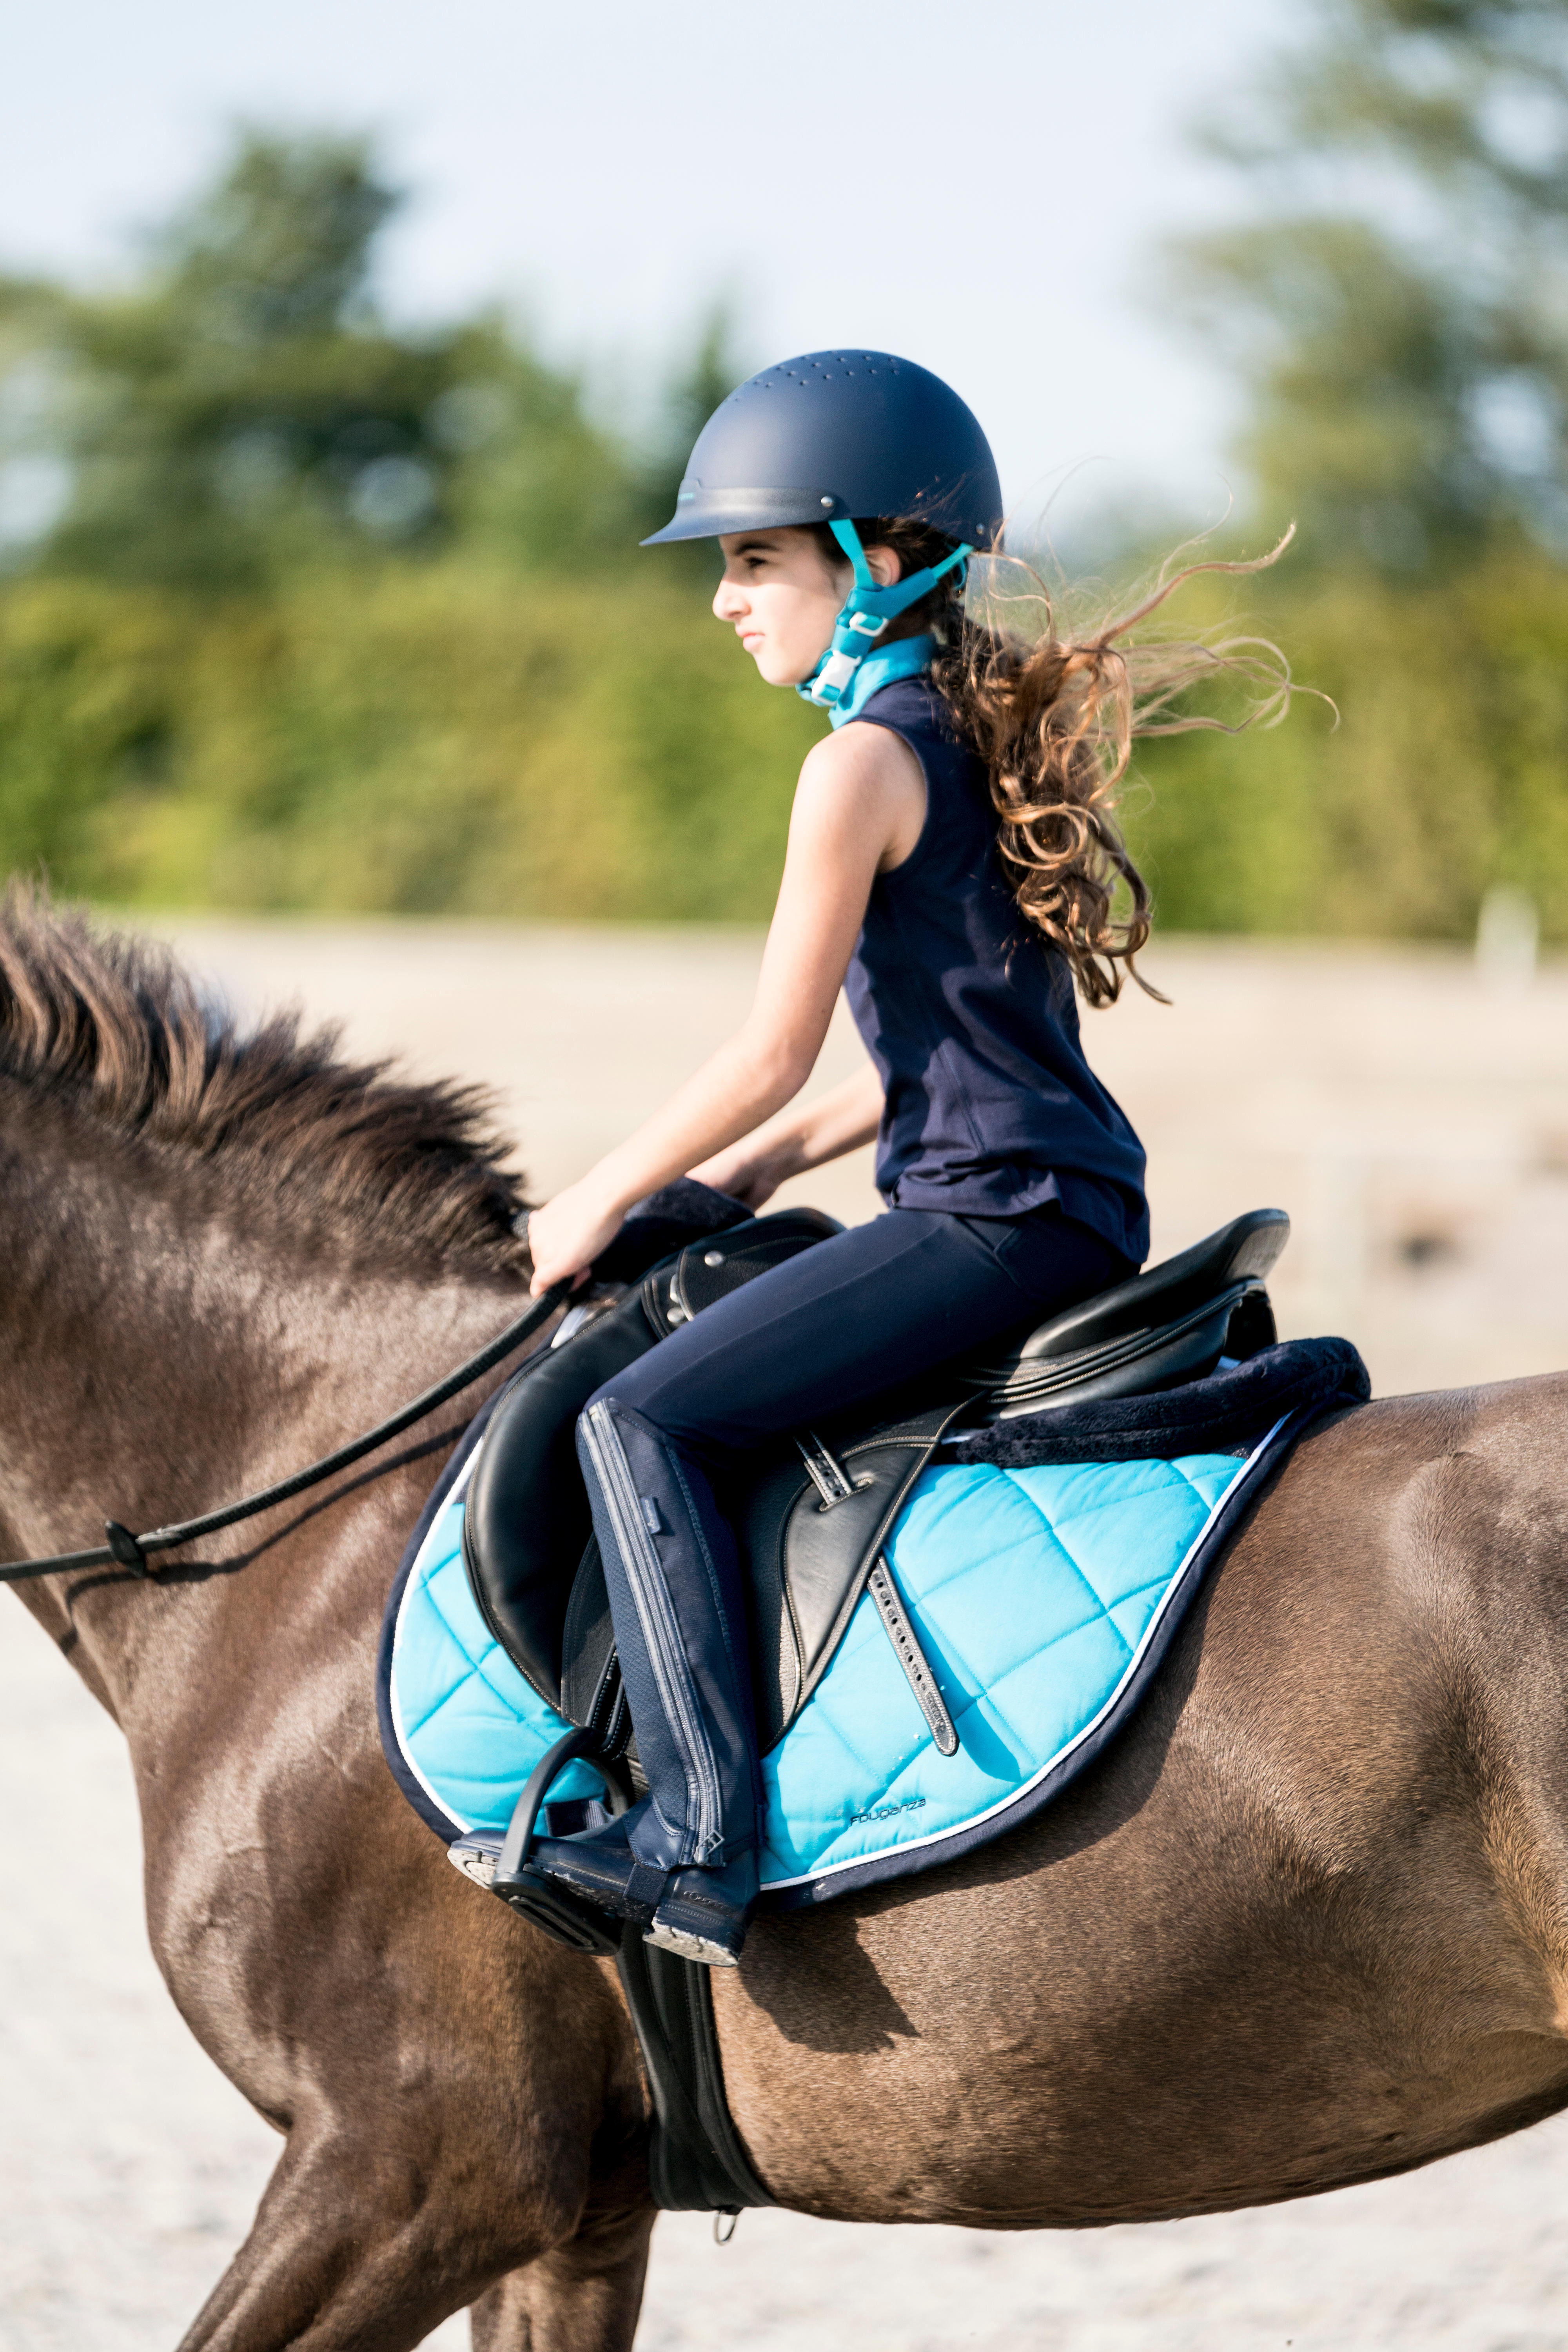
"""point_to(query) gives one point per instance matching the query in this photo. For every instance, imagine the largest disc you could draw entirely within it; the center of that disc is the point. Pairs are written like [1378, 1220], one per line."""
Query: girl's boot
[684, 1864]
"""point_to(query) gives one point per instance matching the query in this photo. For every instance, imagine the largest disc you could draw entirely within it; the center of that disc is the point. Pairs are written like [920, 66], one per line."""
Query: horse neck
[162, 1353]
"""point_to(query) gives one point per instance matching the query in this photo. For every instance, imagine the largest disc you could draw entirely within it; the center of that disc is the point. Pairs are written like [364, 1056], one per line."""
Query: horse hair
[115, 1030]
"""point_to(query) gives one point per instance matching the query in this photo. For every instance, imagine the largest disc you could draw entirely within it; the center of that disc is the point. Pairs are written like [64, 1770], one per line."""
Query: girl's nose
[728, 603]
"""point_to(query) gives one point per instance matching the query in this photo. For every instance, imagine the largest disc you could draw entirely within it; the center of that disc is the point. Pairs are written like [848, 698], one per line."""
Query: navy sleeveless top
[970, 1016]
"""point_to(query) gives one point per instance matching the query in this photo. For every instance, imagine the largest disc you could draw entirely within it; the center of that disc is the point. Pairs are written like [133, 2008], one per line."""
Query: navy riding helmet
[828, 436]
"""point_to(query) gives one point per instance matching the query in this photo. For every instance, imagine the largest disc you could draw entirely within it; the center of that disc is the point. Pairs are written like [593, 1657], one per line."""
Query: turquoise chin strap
[905, 657]
[835, 684]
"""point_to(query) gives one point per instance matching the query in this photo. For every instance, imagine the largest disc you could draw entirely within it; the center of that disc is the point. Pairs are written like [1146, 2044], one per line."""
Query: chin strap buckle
[834, 672]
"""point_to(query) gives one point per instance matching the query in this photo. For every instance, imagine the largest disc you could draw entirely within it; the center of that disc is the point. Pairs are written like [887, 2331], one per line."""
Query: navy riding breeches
[842, 1323]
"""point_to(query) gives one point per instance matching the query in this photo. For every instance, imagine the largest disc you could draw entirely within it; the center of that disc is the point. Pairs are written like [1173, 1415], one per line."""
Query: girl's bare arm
[803, 1135]
[860, 806]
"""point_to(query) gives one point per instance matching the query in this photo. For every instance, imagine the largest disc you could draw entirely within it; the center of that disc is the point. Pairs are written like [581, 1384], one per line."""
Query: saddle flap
[526, 1521]
[591, 1690]
[808, 1558]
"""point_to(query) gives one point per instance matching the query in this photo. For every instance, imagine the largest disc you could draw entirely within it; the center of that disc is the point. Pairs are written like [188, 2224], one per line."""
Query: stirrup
[564, 1916]
[558, 1911]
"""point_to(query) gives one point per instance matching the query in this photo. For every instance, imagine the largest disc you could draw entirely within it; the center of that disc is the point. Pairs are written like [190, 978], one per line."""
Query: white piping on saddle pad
[960, 1829]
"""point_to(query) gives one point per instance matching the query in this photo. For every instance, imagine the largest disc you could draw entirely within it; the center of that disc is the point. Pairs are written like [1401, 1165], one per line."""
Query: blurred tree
[532, 482]
[1401, 309]
[281, 246]
[247, 409]
[692, 394]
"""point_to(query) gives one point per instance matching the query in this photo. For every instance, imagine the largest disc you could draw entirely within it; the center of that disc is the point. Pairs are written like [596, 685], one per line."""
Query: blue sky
[981, 185]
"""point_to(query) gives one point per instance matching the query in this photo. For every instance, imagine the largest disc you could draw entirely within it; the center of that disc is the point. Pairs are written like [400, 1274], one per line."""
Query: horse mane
[113, 1028]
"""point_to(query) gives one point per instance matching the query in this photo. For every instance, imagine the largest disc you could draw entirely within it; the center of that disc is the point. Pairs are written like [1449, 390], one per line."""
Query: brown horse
[1306, 1924]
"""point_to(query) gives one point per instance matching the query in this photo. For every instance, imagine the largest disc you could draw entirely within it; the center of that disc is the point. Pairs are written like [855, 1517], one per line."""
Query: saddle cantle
[809, 1548]
[1170, 1325]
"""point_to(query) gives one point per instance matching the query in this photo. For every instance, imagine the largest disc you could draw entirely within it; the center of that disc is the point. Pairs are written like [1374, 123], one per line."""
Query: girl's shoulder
[867, 783]
[859, 749]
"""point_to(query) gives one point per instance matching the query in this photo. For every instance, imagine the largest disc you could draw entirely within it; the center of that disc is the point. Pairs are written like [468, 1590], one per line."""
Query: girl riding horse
[954, 864]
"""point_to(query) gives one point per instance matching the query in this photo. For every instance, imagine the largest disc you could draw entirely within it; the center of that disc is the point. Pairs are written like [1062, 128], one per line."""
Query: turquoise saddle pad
[1043, 1599]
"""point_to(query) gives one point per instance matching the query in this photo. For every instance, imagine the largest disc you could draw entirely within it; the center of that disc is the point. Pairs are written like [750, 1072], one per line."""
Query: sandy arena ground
[1414, 1124]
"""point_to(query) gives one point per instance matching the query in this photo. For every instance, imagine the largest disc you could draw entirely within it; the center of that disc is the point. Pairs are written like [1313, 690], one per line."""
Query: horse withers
[1304, 1924]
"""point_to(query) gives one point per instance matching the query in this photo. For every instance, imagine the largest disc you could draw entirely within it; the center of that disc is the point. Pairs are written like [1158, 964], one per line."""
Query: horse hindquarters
[1303, 1925]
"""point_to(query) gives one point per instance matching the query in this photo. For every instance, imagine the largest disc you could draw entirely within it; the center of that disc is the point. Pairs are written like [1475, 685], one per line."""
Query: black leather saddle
[812, 1514]
[1170, 1325]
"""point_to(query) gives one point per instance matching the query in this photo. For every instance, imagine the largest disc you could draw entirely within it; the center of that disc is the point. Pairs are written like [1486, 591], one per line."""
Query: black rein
[130, 1551]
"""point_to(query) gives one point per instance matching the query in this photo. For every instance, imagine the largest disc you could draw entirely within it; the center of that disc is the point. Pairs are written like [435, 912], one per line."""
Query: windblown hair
[1054, 712]
[114, 1030]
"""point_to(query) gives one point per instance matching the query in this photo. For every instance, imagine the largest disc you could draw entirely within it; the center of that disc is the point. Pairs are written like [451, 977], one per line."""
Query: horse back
[1305, 1923]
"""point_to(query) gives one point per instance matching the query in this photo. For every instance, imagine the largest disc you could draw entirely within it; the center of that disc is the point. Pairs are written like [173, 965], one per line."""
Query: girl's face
[782, 597]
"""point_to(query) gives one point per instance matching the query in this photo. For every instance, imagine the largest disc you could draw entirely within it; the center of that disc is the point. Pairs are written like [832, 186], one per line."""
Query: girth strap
[697, 2160]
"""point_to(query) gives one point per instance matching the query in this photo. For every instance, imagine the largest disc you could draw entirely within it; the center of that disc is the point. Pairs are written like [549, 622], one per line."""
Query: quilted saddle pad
[1043, 1596]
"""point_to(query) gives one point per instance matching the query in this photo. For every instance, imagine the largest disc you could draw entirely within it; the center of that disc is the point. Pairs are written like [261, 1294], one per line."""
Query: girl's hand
[748, 1172]
[567, 1235]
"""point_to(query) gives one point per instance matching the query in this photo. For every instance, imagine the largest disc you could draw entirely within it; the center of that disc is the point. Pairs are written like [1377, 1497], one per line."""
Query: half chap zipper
[660, 1626]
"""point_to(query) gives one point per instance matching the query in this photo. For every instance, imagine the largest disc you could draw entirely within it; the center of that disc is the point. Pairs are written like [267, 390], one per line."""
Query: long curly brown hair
[1053, 711]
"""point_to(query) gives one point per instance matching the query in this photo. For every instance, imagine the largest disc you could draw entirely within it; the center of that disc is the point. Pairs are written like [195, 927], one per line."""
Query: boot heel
[703, 1914]
[686, 1946]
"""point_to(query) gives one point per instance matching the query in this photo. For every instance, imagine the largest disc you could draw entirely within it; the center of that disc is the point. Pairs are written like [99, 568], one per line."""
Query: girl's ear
[885, 565]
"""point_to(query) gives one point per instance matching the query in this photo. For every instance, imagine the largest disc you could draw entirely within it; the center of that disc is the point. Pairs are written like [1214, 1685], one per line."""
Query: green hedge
[1447, 771]
[419, 742]
[442, 740]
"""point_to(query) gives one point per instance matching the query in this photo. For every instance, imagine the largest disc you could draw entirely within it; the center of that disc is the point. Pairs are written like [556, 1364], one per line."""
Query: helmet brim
[713, 514]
